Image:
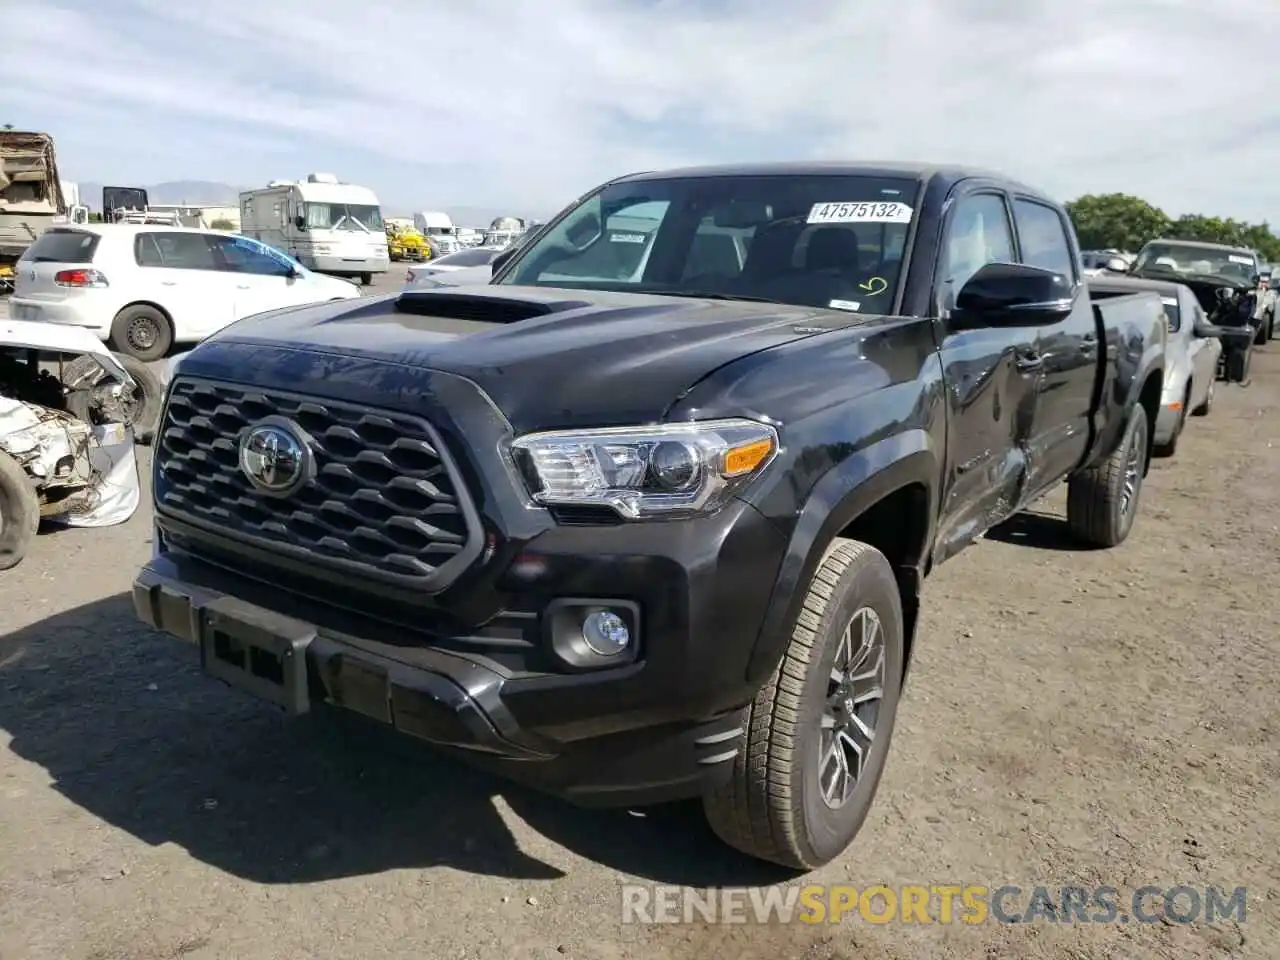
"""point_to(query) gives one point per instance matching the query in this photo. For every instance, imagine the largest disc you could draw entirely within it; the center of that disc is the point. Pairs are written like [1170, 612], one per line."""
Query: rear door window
[63, 246]
[1043, 237]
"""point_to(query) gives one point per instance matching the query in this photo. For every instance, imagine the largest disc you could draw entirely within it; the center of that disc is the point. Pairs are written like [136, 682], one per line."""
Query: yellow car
[407, 245]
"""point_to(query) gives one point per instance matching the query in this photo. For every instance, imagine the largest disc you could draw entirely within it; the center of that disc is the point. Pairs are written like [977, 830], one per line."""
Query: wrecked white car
[68, 410]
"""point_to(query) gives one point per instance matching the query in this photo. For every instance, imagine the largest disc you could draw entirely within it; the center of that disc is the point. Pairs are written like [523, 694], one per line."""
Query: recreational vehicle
[329, 226]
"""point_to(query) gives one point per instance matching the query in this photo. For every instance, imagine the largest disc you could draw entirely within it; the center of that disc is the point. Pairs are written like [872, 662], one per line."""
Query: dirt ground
[1073, 718]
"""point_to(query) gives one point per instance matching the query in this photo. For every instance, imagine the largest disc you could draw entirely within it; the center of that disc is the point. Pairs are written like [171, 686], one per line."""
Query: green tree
[8, 126]
[1115, 221]
[222, 224]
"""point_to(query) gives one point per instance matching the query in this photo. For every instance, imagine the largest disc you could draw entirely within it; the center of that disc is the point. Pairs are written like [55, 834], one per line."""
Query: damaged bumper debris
[66, 441]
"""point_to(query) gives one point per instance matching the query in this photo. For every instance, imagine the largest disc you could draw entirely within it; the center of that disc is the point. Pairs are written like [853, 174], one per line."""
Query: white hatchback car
[143, 288]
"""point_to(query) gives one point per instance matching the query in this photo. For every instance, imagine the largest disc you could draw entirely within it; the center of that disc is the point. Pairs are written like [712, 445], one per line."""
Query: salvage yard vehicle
[1224, 280]
[31, 196]
[1192, 352]
[634, 535]
[143, 288]
[66, 442]
[467, 265]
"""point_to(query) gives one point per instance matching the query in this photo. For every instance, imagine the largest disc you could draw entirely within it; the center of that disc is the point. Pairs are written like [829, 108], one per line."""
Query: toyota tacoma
[647, 517]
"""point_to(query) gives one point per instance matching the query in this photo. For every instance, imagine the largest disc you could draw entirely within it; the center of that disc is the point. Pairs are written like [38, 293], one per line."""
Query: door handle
[1028, 362]
[1088, 346]
[243, 286]
[168, 283]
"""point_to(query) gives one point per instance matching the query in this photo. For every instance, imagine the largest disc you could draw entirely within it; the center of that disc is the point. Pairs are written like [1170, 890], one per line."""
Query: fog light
[605, 633]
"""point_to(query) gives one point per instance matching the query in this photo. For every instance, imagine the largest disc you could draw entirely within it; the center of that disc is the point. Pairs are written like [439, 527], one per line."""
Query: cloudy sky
[524, 105]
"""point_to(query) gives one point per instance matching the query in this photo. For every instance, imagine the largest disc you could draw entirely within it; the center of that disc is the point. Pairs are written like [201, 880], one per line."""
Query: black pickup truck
[647, 518]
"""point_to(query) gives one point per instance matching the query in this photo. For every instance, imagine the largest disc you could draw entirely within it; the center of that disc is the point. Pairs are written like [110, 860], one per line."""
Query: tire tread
[756, 811]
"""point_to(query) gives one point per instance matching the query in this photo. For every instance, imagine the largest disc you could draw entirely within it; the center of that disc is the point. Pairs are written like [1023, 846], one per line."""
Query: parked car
[143, 288]
[636, 528]
[1224, 280]
[476, 261]
[1192, 352]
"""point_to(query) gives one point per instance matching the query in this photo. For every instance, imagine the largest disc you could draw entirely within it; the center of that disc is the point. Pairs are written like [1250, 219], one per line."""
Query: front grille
[384, 501]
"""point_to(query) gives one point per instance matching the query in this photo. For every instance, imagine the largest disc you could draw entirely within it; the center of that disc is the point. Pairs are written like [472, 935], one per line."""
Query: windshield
[819, 241]
[1239, 265]
[344, 216]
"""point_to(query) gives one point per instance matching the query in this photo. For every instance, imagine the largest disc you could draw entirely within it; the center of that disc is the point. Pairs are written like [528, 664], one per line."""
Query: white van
[143, 288]
[328, 226]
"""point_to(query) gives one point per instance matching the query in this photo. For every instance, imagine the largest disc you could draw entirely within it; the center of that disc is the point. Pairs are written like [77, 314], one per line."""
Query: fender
[842, 495]
[1122, 389]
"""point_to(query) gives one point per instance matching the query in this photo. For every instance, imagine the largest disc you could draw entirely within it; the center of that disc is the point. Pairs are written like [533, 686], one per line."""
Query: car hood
[59, 339]
[546, 357]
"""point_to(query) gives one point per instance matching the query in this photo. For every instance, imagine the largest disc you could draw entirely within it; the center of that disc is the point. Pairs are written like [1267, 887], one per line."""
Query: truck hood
[546, 357]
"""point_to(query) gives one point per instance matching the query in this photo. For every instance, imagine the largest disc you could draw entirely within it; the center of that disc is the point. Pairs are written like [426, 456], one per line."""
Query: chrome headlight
[667, 470]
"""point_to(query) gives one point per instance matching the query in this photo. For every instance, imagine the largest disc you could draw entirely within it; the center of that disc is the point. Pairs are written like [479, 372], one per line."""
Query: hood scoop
[481, 308]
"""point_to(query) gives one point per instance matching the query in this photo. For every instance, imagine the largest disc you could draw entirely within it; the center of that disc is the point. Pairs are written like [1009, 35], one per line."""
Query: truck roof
[949, 173]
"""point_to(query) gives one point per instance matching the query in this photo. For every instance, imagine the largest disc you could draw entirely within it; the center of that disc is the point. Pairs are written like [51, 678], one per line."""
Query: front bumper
[345, 266]
[665, 726]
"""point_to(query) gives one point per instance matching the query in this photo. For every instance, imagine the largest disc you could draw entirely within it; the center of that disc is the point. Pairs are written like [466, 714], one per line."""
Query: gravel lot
[1073, 718]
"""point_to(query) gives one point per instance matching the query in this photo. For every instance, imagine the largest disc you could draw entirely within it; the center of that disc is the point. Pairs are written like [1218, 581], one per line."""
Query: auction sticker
[870, 212]
[844, 305]
[1234, 258]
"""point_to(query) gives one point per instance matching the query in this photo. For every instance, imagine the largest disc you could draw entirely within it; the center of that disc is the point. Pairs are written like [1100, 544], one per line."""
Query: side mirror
[300, 222]
[498, 262]
[1224, 294]
[1117, 265]
[1013, 295]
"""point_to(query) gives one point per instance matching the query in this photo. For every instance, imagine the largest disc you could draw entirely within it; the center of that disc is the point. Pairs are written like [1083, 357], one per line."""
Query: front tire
[19, 513]
[1102, 502]
[142, 413]
[818, 731]
[366, 279]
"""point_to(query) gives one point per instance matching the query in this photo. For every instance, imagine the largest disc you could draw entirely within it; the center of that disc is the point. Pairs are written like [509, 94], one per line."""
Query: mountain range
[209, 194]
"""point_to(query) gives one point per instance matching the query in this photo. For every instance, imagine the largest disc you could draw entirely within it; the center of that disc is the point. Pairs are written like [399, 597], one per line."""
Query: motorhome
[439, 230]
[325, 224]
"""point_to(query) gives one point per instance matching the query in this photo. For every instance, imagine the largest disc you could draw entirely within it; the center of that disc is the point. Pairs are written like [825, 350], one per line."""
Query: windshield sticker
[874, 286]
[882, 212]
[1236, 258]
[1169, 301]
[627, 238]
[845, 305]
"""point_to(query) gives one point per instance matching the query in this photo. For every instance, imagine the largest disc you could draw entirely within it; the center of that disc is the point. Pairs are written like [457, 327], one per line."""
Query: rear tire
[19, 513]
[1102, 502]
[141, 332]
[775, 807]
[366, 279]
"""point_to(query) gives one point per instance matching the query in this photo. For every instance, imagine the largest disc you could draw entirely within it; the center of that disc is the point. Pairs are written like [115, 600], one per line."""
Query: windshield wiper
[706, 295]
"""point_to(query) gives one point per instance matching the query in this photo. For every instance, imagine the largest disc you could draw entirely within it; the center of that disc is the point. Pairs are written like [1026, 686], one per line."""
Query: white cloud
[494, 102]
